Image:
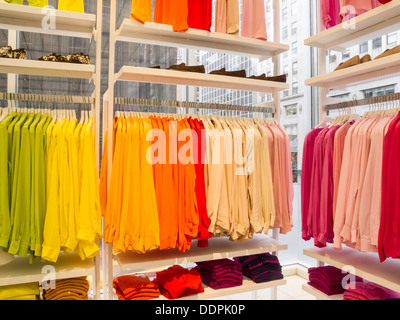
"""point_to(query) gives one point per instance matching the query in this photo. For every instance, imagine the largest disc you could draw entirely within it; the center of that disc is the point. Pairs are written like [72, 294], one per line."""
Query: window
[284, 14]
[294, 10]
[294, 28]
[364, 47]
[381, 91]
[291, 110]
[286, 70]
[332, 57]
[294, 48]
[286, 93]
[291, 130]
[285, 33]
[294, 67]
[285, 55]
[295, 88]
[346, 54]
[377, 43]
[391, 39]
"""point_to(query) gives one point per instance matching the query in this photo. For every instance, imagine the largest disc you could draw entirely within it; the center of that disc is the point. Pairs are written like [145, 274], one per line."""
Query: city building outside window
[294, 28]
[291, 110]
[391, 39]
[295, 67]
[377, 43]
[346, 54]
[380, 91]
[295, 88]
[294, 48]
[364, 47]
[285, 33]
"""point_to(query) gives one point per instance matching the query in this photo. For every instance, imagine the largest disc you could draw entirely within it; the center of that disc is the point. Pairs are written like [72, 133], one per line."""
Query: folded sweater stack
[135, 287]
[25, 291]
[328, 279]
[68, 289]
[218, 274]
[261, 268]
[177, 282]
[369, 291]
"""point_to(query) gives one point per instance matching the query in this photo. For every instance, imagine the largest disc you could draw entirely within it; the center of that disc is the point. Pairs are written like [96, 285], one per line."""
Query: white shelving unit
[247, 286]
[163, 35]
[139, 74]
[39, 20]
[46, 68]
[319, 294]
[389, 65]
[218, 248]
[156, 34]
[365, 265]
[377, 22]
[72, 24]
[374, 23]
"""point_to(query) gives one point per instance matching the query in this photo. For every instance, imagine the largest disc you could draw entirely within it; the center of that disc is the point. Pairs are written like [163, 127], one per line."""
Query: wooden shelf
[319, 294]
[139, 74]
[20, 271]
[46, 68]
[218, 248]
[30, 19]
[247, 286]
[389, 65]
[374, 23]
[163, 35]
[366, 265]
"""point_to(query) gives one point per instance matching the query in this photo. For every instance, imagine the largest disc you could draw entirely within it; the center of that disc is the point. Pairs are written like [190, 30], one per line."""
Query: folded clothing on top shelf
[68, 289]
[328, 279]
[177, 282]
[79, 58]
[260, 268]
[369, 291]
[218, 274]
[135, 287]
[24, 291]
[8, 52]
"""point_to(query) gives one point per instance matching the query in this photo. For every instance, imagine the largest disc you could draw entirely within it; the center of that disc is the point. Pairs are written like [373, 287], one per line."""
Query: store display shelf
[149, 75]
[163, 35]
[367, 26]
[21, 271]
[247, 286]
[389, 65]
[319, 294]
[46, 21]
[361, 264]
[218, 248]
[46, 68]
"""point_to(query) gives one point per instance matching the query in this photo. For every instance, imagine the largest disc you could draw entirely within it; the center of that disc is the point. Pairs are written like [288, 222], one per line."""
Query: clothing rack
[363, 102]
[46, 98]
[190, 105]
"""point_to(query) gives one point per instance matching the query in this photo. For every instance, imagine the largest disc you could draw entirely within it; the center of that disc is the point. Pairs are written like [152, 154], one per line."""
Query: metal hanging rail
[363, 102]
[190, 105]
[46, 98]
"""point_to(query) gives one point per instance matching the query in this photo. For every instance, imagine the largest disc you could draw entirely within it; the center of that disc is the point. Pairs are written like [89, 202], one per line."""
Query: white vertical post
[277, 59]
[96, 112]
[108, 254]
[12, 78]
[277, 102]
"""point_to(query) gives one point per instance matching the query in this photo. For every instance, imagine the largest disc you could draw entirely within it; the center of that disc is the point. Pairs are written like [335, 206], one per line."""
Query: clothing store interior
[236, 150]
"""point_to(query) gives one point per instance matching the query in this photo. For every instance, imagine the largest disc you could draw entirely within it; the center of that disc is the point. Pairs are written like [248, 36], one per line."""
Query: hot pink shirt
[357, 7]
[308, 155]
[330, 13]
[326, 204]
